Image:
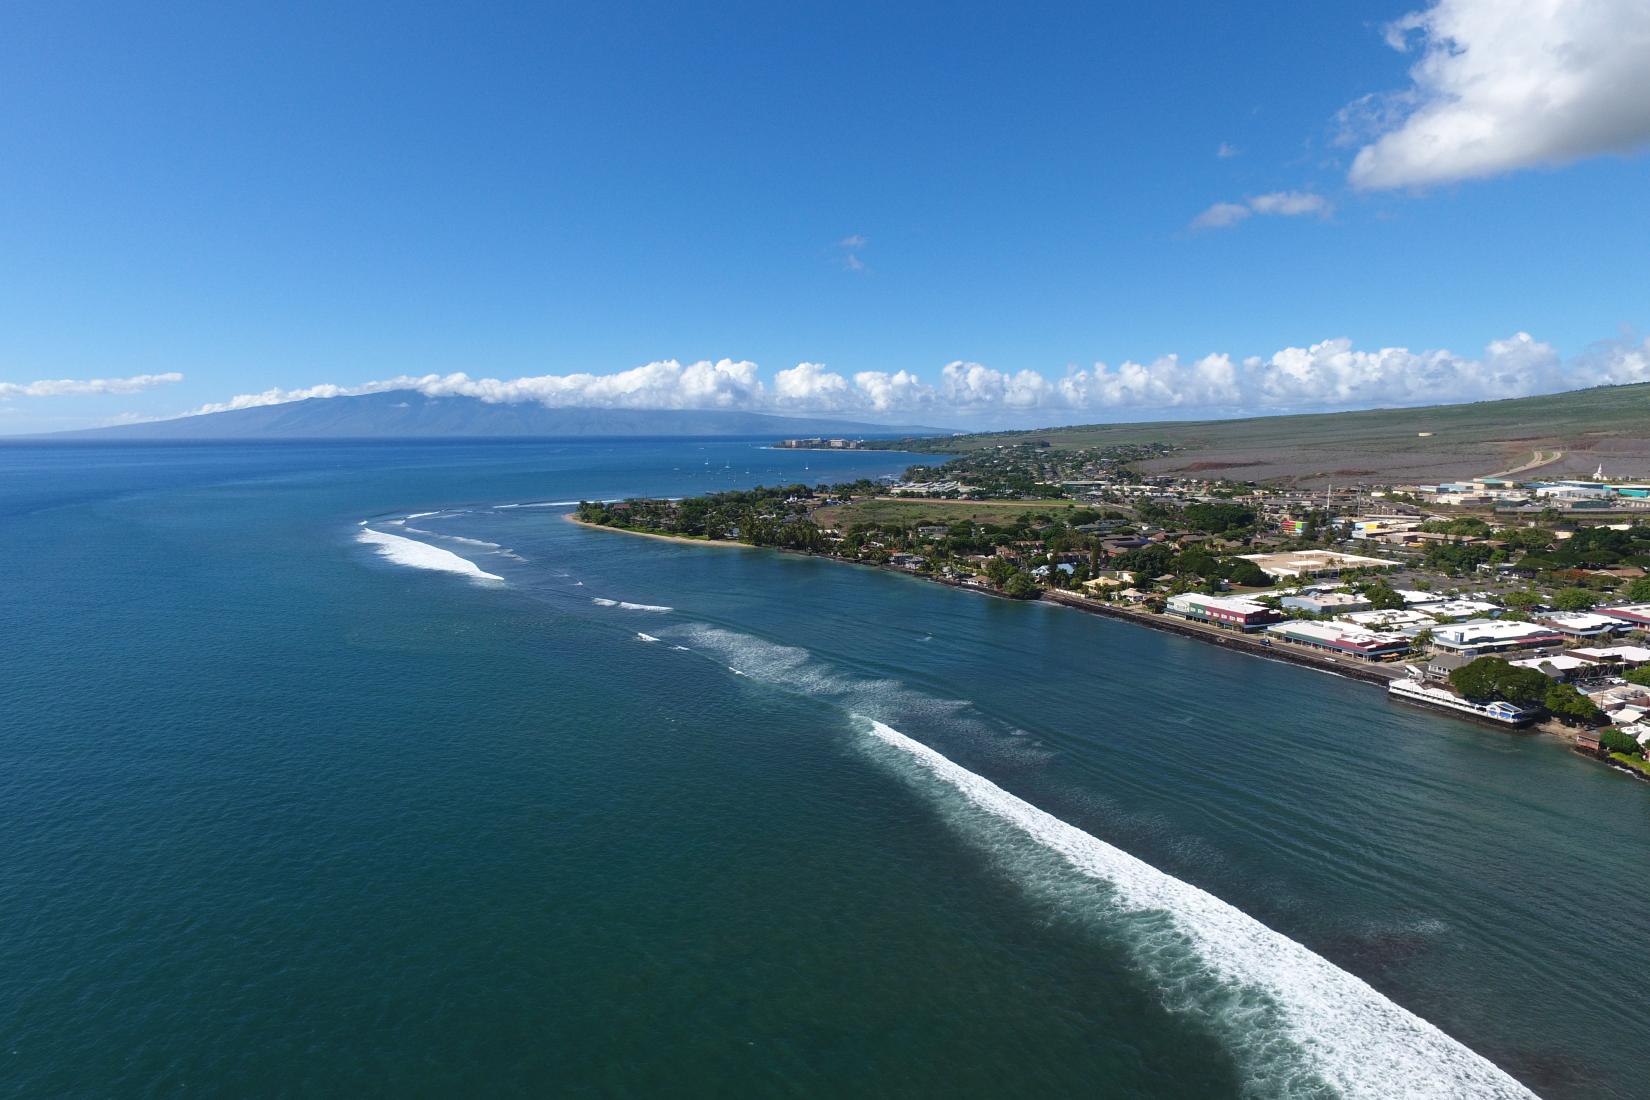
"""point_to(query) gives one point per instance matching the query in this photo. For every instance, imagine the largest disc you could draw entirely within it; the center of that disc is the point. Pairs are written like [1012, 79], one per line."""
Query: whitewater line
[421, 555]
[1362, 1043]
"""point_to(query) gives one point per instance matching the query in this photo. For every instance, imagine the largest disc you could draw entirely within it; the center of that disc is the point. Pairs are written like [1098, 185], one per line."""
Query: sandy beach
[572, 518]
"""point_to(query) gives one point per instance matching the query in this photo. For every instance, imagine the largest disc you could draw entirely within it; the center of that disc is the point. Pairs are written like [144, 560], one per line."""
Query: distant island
[409, 414]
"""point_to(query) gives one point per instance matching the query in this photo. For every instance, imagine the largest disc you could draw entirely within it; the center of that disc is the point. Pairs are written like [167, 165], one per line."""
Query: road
[1537, 460]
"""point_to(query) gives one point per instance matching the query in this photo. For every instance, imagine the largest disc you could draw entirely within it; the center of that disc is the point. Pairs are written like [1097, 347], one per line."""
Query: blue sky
[920, 203]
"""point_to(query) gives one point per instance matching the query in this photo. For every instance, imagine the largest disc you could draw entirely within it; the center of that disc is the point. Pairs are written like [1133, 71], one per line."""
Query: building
[1313, 563]
[1631, 655]
[1502, 714]
[1389, 620]
[1234, 614]
[1635, 615]
[1339, 638]
[1578, 624]
[1456, 609]
[1326, 603]
[1477, 637]
[1440, 665]
[929, 488]
[1374, 527]
[1572, 490]
[1559, 666]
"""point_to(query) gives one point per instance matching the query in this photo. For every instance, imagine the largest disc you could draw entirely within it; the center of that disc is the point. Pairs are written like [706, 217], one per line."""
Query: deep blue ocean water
[285, 815]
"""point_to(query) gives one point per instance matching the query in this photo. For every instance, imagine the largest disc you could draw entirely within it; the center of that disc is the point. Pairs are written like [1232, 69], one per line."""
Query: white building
[1456, 609]
[1388, 620]
[1625, 654]
[1479, 636]
[1561, 665]
[1313, 563]
[1581, 624]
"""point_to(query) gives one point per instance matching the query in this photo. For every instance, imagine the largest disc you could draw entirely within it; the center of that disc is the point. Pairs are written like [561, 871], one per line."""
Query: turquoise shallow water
[286, 816]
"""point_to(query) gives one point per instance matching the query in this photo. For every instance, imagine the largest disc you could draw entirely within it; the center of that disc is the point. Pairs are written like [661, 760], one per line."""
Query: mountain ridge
[409, 414]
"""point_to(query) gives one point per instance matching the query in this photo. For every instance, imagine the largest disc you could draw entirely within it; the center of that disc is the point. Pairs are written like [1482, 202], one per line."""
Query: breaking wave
[1299, 1025]
[1314, 1023]
[625, 605]
[547, 504]
[421, 555]
[646, 637]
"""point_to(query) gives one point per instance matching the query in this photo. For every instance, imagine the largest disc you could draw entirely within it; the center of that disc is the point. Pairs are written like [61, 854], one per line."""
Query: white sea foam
[1344, 1031]
[646, 637]
[494, 547]
[549, 504]
[421, 515]
[624, 605]
[1299, 1025]
[421, 555]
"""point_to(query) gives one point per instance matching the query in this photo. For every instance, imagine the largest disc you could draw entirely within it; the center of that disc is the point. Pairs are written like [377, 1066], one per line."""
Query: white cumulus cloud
[1506, 84]
[1288, 204]
[86, 387]
[1328, 374]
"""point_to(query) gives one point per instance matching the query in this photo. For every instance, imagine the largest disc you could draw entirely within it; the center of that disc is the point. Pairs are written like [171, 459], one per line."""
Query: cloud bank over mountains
[1327, 375]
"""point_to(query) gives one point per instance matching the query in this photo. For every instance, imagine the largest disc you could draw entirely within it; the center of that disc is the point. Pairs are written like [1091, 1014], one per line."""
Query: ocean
[354, 769]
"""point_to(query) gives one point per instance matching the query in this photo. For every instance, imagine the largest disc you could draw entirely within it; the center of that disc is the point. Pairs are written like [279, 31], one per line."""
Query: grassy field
[913, 512]
[1636, 762]
[1566, 433]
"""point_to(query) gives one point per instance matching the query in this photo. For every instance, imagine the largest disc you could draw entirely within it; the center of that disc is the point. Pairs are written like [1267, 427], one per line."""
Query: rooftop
[1337, 634]
[1234, 604]
[1454, 608]
[1372, 619]
[1631, 654]
[1580, 621]
[1295, 563]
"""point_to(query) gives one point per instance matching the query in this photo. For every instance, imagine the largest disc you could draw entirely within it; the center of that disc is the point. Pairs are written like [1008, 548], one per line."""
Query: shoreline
[1357, 671]
[573, 519]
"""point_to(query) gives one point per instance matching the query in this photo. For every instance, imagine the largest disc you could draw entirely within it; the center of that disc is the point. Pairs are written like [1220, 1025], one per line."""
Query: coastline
[571, 518]
[1378, 675]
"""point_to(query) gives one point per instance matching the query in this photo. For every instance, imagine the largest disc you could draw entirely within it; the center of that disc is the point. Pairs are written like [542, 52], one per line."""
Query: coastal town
[1513, 602]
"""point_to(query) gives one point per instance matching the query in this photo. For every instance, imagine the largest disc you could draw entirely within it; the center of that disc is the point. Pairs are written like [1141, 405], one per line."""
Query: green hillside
[1565, 432]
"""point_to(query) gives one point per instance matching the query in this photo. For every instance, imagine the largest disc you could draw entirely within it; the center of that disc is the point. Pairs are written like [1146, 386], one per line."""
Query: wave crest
[421, 555]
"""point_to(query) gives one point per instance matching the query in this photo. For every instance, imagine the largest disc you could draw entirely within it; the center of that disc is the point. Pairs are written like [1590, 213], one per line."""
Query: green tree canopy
[1574, 599]
[1568, 704]
[1021, 586]
[1614, 740]
[1491, 678]
[1248, 574]
[1382, 596]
